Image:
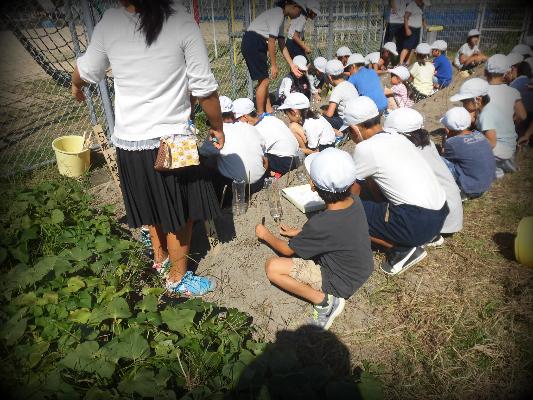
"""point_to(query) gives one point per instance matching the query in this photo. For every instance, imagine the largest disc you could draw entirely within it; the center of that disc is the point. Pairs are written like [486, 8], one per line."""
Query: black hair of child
[330, 197]
[420, 137]
[372, 122]
[523, 69]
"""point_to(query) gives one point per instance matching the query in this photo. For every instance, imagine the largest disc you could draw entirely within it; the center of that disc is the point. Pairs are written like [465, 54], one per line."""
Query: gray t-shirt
[339, 242]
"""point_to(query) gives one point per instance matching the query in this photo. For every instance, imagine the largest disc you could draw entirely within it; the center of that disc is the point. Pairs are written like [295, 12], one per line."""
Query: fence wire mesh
[41, 39]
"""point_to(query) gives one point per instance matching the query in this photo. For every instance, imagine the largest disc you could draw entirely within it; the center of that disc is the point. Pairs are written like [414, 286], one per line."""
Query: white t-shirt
[318, 132]
[465, 50]
[342, 93]
[493, 117]
[397, 18]
[278, 138]
[454, 220]
[415, 19]
[152, 84]
[400, 171]
[423, 77]
[242, 154]
[297, 25]
[269, 23]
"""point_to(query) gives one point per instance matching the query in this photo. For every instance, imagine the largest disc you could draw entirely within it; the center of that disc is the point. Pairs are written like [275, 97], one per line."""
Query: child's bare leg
[404, 56]
[159, 243]
[278, 269]
[261, 95]
[391, 103]
[178, 244]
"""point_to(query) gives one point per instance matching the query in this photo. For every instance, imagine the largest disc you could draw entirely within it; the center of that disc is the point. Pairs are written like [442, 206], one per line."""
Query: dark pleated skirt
[168, 199]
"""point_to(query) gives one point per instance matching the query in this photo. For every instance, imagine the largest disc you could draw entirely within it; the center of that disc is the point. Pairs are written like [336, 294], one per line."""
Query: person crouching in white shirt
[408, 206]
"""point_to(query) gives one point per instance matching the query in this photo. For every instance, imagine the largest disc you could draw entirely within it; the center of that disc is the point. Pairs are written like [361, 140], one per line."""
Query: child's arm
[296, 38]
[274, 70]
[520, 111]
[294, 69]
[330, 112]
[491, 137]
[388, 92]
[278, 245]
[288, 231]
[406, 24]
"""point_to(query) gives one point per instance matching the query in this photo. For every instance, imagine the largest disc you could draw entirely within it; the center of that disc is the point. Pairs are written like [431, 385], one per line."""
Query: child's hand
[288, 231]
[261, 231]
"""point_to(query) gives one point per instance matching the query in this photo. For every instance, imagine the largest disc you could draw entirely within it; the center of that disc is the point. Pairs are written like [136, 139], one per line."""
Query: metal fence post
[232, 51]
[76, 45]
[88, 19]
[330, 29]
[247, 21]
[481, 18]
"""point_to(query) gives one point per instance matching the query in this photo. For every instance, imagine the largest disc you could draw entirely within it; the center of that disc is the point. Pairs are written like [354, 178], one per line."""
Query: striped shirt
[399, 92]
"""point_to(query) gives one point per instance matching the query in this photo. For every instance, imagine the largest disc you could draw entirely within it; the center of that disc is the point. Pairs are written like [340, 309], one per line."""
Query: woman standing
[158, 59]
[259, 45]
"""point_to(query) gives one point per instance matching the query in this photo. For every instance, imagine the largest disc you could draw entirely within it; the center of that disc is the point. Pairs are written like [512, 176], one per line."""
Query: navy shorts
[394, 32]
[336, 122]
[294, 49]
[410, 42]
[281, 165]
[404, 225]
[254, 49]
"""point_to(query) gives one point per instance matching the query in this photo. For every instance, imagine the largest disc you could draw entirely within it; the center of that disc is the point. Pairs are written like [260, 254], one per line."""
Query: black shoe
[397, 262]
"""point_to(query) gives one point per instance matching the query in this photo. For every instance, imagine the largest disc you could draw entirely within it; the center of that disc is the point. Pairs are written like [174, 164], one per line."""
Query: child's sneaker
[323, 317]
[436, 242]
[192, 285]
[163, 267]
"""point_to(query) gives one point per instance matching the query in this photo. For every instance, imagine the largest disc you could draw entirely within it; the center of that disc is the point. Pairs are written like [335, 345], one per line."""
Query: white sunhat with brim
[514, 58]
[355, 58]
[439, 45]
[423, 48]
[343, 51]
[523, 49]
[456, 119]
[242, 106]
[314, 6]
[498, 64]
[473, 32]
[334, 67]
[373, 58]
[332, 170]
[226, 105]
[359, 110]
[320, 64]
[471, 89]
[403, 120]
[301, 3]
[401, 72]
[300, 62]
[295, 101]
[391, 46]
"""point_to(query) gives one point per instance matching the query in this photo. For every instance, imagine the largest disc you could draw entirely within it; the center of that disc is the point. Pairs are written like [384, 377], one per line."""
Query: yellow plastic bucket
[72, 159]
[523, 243]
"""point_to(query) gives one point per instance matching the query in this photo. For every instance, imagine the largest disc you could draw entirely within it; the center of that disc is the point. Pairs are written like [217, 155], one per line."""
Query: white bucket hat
[225, 104]
[300, 62]
[401, 72]
[334, 67]
[470, 89]
[523, 49]
[498, 64]
[391, 46]
[373, 58]
[403, 120]
[359, 110]
[473, 32]
[439, 45]
[514, 58]
[343, 51]
[320, 64]
[332, 170]
[423, 48]
[314, 6]
[295, 101]
[456, 119]
[243, 106]
[355, 58]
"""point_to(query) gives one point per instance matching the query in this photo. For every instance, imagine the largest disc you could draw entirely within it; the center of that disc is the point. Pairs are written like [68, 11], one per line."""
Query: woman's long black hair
[152, 15]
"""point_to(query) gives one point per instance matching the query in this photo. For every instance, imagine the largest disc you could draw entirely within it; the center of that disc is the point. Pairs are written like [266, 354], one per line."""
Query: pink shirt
[399, 92]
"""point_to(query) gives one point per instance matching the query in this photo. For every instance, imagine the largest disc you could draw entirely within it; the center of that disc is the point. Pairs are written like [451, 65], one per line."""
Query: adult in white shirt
[394, 30]
[281, 147]
[342, 92]
[241, 159]
[413, 21]
[158, 59]
[469, 56]
[259, 45]
[410, 123]
[409, 207]
[497, 120]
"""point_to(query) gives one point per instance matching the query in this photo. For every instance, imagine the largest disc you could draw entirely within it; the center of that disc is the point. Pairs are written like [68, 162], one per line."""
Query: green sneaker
[324, 316]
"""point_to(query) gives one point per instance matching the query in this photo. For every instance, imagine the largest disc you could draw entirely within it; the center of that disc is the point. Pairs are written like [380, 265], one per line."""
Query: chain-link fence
[41, 39]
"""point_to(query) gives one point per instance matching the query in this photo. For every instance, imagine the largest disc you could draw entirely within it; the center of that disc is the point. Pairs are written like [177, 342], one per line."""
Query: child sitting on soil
[366, 81]
[410, 123]
[443, 66]
[292, 84]
[469, 56]
[311, 130]
[281, 148]
[388, 52]
[397, 95]
[342, 92]
[467, 154]
[242, 157]
[372, 60]
[330, 258]
[317, 78]
[422, 72]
